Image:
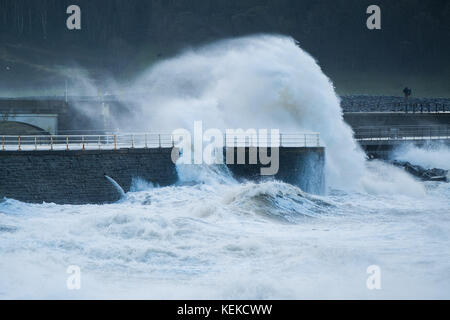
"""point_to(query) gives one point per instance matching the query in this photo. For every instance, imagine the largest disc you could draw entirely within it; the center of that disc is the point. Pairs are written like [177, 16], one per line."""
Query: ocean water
[210, 237]
[227, 240]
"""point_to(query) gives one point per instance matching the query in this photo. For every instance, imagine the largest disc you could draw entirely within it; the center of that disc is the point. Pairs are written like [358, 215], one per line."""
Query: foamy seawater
[210, 237]
[228, 240]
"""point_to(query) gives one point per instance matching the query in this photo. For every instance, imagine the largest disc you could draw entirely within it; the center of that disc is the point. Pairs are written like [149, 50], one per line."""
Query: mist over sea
[211, 237]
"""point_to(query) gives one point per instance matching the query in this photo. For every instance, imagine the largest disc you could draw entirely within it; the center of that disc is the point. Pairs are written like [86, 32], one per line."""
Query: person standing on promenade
[407, 91]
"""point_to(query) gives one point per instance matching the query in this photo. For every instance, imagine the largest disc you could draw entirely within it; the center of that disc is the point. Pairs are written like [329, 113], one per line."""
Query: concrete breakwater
[78, 176]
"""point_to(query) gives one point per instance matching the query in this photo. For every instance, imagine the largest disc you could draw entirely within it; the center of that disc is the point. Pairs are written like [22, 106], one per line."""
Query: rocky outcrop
[422, 173]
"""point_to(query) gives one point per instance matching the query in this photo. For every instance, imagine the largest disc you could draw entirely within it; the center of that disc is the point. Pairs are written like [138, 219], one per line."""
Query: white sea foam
[252, 82]
[433, 155]
[264, 81]
[212, 237]
[229, 240]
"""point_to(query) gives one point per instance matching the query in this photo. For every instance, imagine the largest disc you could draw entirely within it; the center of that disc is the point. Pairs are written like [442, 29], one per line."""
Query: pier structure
[78, 169]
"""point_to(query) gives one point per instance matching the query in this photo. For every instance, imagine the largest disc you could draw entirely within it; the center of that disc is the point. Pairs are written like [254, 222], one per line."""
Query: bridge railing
[144, 140]
[402, 133]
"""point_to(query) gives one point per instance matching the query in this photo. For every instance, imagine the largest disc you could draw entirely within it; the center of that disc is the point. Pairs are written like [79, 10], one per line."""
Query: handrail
[397, 106]
[145, 140]
[438, 132]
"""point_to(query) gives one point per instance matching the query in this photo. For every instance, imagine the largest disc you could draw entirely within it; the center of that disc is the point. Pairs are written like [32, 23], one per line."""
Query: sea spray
[431, 155]
[264, 81]
[260, 82]
[384, 178]
[117, 186]
[210, 237]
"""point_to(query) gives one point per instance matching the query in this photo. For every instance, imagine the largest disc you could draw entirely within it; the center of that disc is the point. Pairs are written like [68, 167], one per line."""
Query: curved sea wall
[78, 177]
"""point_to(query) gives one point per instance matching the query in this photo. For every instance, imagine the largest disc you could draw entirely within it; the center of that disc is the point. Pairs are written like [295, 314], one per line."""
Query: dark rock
[434, 174]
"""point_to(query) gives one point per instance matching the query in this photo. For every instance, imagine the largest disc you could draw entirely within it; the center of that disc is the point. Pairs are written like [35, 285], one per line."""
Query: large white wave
[256, 82]
[263, 81]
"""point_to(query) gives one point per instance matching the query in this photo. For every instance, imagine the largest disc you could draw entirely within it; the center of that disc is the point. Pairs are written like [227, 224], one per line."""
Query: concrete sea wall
[303, 167]
[78, 177]
[379, 119]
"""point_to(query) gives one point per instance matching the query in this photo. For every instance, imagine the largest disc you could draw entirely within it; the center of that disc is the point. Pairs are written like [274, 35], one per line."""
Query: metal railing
[397, 107]
[144, 140]
[402, 133]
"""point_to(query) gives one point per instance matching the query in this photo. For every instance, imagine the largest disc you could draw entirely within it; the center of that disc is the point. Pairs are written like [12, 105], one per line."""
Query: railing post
[318, 139]
[115, 142]
[145, 141]
[35, 143]
[19, 143]
[82, 143]
[132, 141]
[67, 143]
[99, 146]
[305, 140]
[51, 143]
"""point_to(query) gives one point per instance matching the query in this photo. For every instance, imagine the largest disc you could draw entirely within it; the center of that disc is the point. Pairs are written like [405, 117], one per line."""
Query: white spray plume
[263, 81]
[433, 155]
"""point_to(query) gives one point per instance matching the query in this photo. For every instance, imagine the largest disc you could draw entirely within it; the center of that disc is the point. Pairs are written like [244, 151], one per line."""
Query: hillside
[120, 38]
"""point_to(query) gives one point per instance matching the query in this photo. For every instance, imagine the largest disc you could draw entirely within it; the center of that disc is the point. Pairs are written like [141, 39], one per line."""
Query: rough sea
[211, 237]
[219, 239]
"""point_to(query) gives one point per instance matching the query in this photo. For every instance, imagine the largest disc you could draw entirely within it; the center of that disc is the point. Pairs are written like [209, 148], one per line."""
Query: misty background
[120, 39]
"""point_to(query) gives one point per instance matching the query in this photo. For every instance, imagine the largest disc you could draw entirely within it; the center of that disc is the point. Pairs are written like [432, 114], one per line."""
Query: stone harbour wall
[78, 177]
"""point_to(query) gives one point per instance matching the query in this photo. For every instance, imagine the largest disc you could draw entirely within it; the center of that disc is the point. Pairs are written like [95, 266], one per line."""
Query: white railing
[437, 132]
[143, 140]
